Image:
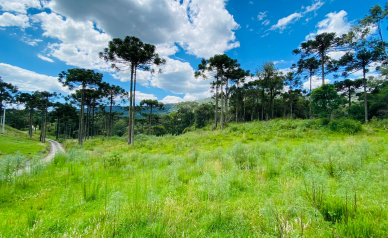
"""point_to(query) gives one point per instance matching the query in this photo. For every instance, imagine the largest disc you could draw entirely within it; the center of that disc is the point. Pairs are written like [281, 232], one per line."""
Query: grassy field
[14, 141]
[261, 179]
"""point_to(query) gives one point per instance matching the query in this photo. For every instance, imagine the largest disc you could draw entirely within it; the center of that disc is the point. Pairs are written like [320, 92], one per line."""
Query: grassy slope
[265, 179]
[13, 141]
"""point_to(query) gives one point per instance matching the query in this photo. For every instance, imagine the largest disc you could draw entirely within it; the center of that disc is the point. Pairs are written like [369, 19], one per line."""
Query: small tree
[83, 78]
[7, 93]
[325, 100]
[111, 92]
[151, 104]
[348, 87]
[310, 67]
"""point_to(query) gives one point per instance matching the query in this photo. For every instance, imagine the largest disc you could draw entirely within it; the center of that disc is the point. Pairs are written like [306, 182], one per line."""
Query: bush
[357, 112]
[159, 130]
[345, 126]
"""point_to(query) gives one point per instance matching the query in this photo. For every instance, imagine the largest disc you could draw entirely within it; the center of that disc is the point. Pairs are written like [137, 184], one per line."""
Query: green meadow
[14, 141]
[281, 178]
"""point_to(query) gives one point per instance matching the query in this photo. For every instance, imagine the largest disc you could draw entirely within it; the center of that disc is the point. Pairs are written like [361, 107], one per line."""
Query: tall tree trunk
[133, 111]
[237, 106]
[222, 107]
[272, 106]
[94, 106]
[310, 108]
[292, 117]
[57, 136]
[30, 122]
[365, 96]
[350, 101]
[244, 98]
[216, 110]
[130, 109]
[110, 124]
[226, 101]
[323, 67]
[81, 122]
[149, 121]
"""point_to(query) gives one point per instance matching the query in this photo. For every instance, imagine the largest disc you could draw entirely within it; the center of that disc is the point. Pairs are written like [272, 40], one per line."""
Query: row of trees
[239, 95]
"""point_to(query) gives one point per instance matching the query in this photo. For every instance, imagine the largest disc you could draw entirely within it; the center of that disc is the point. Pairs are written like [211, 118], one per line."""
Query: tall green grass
[261, 179]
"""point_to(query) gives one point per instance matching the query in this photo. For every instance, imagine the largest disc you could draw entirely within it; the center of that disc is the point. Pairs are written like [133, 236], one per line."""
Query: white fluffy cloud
[334, 22]
[27, 80]
[172, 99]
[202, 29]
[82, 29]
[316, 82]
[144, 96]
[178, 77]
[19, 20]
[20, 6]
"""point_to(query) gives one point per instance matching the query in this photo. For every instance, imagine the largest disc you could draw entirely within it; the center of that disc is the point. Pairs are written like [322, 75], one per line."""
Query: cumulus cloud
[139, 96]
[19, 6]
[19, 20]
[45, 58]
[172, 99]
[202, 29]
[79, 42]
[316, 82]
[178, 77]
[334, 22]
[27, 80]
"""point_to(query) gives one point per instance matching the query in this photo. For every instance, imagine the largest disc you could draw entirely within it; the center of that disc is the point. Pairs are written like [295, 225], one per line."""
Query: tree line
[238, 95]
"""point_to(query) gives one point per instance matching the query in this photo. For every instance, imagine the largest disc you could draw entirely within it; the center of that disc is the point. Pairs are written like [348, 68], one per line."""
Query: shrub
[345, 126]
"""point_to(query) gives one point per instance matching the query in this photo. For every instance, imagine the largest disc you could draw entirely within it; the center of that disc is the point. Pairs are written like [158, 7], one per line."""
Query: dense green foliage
[261, 179]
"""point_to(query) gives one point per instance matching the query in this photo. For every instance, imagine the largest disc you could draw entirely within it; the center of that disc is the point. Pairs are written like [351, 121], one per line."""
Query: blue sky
[39, 39]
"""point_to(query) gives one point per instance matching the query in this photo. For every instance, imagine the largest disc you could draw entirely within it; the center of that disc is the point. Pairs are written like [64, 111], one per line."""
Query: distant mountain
[168, 108]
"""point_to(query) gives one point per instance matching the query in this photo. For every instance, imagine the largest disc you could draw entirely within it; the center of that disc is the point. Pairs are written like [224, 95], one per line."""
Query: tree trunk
[110, 125]
[133, 111]
[272, 102]
[350, 101]
[222, 107]
[237, 107]
[244, 106]
[149, 121]
[226, 101]
[292, 117]
[216, 111]
[130, 110]
[365, 96]
[30, 123]
[57, 136]
[94, 106]
[81, 123]
[311, 111]
[323, 67]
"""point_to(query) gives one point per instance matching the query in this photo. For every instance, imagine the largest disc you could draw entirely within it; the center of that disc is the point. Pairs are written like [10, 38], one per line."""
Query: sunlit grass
[261, 179]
